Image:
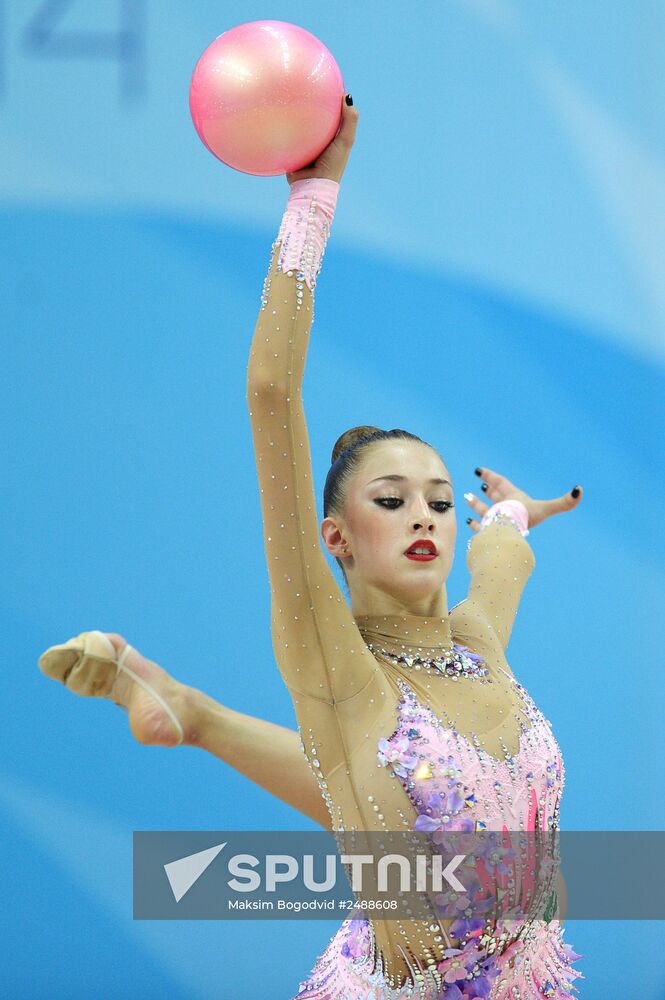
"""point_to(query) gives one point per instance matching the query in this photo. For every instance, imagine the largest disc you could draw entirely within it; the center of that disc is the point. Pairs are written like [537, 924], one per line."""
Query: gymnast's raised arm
[318, 648]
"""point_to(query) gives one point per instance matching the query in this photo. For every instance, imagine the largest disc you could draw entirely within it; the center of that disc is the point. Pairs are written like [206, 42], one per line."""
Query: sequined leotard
[370, 714]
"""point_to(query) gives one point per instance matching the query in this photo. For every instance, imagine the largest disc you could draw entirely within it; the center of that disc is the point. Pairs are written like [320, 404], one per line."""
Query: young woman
[409, 715]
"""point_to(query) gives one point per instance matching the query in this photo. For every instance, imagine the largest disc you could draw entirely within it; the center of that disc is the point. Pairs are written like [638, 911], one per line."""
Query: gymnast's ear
[333, 538]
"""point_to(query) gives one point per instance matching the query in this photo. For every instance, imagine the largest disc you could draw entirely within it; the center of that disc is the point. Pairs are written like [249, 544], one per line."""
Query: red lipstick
[426, 550]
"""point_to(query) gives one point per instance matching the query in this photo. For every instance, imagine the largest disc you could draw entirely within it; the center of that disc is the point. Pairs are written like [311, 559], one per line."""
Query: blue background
[501, 228]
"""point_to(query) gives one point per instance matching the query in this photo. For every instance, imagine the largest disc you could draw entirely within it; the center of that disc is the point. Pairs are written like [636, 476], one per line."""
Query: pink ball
[265, 97]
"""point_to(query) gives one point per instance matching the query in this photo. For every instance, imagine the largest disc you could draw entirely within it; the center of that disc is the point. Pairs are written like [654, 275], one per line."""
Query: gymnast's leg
[164, 712]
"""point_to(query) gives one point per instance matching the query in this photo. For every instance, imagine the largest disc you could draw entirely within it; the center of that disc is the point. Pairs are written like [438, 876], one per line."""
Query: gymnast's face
[400, 493]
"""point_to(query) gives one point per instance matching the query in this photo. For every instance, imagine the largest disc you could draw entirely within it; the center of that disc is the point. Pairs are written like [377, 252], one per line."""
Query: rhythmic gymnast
[409, 716]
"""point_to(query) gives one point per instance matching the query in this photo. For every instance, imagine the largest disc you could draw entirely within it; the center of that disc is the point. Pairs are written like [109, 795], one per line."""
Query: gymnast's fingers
[476, 503]
[563, 503]
[494, 485]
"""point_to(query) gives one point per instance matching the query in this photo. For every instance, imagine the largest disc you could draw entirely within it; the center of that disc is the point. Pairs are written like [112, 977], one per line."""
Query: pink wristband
[305, 227]
[513, 510]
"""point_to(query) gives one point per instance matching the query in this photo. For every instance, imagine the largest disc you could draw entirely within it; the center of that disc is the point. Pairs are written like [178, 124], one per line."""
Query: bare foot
[87, 664]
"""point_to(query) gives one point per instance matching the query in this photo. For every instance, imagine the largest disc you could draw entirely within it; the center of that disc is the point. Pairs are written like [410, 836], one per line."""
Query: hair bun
[350, 437]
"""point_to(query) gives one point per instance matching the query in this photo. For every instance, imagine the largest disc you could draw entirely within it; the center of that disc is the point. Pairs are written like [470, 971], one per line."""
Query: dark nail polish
[349, 100]
[468, 520]
[575, 492]
[484, 487]
[478, 472]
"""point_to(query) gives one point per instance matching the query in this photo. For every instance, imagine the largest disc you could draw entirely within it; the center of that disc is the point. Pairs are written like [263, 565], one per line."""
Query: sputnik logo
[183, 873]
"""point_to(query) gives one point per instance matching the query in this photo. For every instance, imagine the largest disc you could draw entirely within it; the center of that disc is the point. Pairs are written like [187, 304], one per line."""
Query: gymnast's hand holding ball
[331, 163]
